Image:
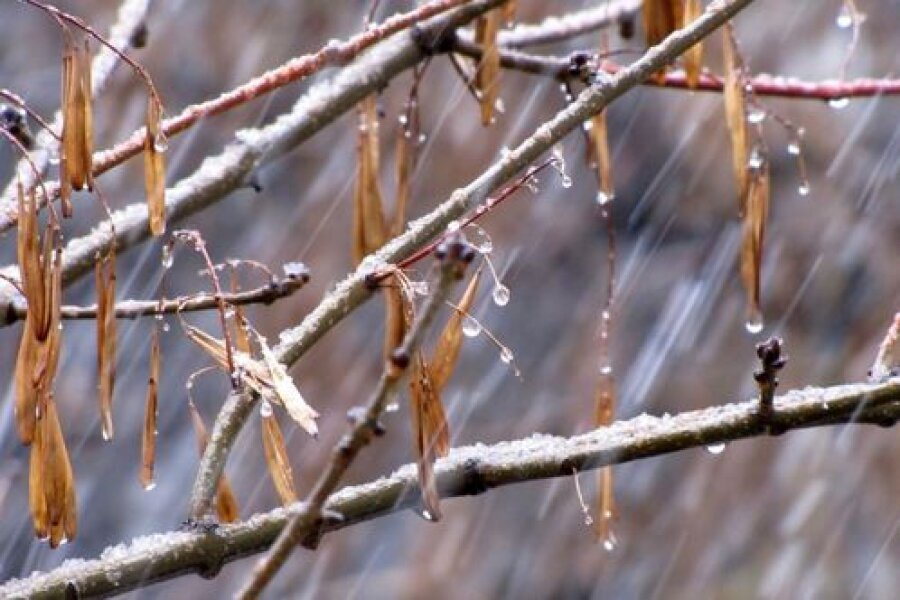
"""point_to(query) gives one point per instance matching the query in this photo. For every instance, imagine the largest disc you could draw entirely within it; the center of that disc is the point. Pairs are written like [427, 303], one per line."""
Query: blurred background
[809, 514]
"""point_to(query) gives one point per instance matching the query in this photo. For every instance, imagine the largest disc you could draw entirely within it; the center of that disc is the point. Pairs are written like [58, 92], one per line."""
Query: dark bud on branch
[772, 360]
[456, 252]
[15, 121]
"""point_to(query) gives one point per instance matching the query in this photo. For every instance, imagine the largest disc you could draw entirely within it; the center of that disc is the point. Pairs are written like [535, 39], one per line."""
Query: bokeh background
[810, 514]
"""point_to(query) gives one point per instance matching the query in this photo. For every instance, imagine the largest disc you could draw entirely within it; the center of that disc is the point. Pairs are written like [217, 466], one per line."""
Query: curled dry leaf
[604, 414]
[430, 433]
[736, 114]
[105, 276]
[148, 437]
[368, 215]
[487, 76]
[51, 481]
[277, 460]
[76, 162]
[155, 168]
[693, 57]
[754, 232]
[267, 378]
[40, 267]
[226, 502]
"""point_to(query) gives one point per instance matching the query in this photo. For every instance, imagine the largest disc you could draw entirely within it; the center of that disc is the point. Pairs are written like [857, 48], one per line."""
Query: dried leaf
[693, 57]
[226, 502]
[368, 215]
[754, 233]
[446, 352]
[736, 114]
[105, 276]
[155, 169]
[600, 151]
[277, 460]
[286, 392]
[487, 75]
[430, 433]
[148, 438]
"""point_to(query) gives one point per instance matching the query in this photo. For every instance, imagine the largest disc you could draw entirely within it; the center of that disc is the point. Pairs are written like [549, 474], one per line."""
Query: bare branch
[466, 471]
[565, 27]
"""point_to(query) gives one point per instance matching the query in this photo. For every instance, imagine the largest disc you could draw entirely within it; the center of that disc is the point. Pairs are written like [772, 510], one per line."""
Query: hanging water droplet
[754, 324]
[189, 384]
[756, 159]
[499, 106]
[453, 226]
[265, 409]
[565, 180]
[803, 189]
[165, 327]
[471, 327]
[422, 138]
[167, 257]
[715, 448]
[603, 198]
[531, 184]
[482, 242]
[606, 370]
[391, 407]
[839, 103]
[402, 118]
[506, 355]
[160, 143]
[149, 485]
[609, 544]
[500, 295]
[793, 148]
[844, 18]
[756, 115]
[587, 125]
[104, 434]
[426, 515]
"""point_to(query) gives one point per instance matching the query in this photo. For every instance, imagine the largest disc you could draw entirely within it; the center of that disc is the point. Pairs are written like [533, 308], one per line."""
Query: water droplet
[483, 242]
[391, 407]
[158, 316]
[189, 384]
[754, 324]
[839, 103]
[588, 125]
[104, 434]
[499, 106]
[756, 116]
[506, 355]
[803, 189]
[715, 448]
[403, 120]
[756, 159]
[603, 198]
[565, 180]
[265, 409]
[150, 485]
[422, 138]
[165, 327]
[453, 226]
[606, 370]
[844, 18]
[610, 543]
[167, 257]
[426, 515]
[160, 143]
[471, 327]
[793, 148]
[500, 295]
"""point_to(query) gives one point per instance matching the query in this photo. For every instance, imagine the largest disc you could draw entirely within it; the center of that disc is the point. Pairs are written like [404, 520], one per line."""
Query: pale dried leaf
[286, 392]
[148, 437]
[693, 57]
[105, 276]
[446, 352]
[599, 135]
[368, 225]
[736, 115]
[154, 170]
[753, 237]
[487, 75]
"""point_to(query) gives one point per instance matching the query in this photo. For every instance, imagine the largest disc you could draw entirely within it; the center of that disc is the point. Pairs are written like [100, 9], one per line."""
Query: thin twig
[345, 451]
[466, 471]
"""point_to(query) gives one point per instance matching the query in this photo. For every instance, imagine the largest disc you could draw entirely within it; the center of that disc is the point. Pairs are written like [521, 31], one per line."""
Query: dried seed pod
[736, 114]
[446, 353]
[76, 163]
[105, 276]
[430, 433]
[405, 158]
[368, 215]
[148, 437]
[238, 321]
[226, 502]
[51, 481]
[693, 57]
[752, 245]
[155, 168]
[487, 75]
[599, 149]
[398, 310]
[277, 460]
[604, 414]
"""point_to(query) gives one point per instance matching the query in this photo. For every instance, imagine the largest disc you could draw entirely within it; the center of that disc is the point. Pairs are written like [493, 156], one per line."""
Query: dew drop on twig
[265, 409]
[500, 295]
[506, 355]
[754, 324]
[844, 19]
[471, 327]
[839, 103]
[715, 448]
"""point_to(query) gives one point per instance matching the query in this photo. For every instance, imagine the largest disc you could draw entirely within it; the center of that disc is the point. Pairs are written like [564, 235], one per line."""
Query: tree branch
[565, 27]
[466, 471]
